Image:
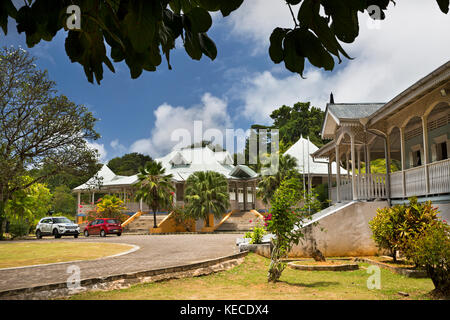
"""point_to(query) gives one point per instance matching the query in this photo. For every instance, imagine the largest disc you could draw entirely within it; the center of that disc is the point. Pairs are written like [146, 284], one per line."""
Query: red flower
[80, 206]
[250, 221]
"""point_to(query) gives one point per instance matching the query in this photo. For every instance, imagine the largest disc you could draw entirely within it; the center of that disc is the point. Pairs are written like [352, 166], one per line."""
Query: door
[96, 226]
[46, 226]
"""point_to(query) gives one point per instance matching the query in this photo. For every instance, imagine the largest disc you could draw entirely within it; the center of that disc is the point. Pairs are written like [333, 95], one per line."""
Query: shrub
[257, 235]
[19, 228]
[431, 250]
[393, 227]
[182, 218]
[284, 221]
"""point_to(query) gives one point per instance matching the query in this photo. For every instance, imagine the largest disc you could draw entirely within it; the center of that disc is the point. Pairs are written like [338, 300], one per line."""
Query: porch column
[338, 174]
[359, 162]
[245, 195]
[78, 200]
[425, 151]
[140, 205]
[254, 194]
[237, 194]
[368, 168]
[352, 150]
[93, 197]
[329, 177]
[403, 158]
[347, 166]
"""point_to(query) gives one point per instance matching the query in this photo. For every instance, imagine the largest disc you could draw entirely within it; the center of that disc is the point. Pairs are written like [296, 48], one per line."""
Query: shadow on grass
[311, 285]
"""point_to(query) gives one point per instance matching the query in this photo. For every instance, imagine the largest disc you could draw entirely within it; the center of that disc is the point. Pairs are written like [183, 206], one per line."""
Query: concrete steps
[240, 221]
[144, 223]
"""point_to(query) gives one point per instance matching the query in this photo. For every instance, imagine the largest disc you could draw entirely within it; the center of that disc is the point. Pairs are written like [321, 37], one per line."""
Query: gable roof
[335, 113]
[106, 177]
[353, 110]
[302, 150]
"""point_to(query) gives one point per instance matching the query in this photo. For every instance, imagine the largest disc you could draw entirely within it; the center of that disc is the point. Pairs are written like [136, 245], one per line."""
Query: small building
[181, 164]
[314, 171]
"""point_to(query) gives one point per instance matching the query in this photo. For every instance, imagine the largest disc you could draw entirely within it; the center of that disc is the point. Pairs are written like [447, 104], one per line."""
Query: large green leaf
[292, 60]
[208, 46]
[443, 5]
[200, 20]
[6, 9]
[276, 44]
[228, 6]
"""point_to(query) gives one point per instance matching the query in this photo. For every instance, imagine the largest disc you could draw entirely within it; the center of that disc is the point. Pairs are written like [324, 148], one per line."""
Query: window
[439, 150]
[417, 159]
[442, 151]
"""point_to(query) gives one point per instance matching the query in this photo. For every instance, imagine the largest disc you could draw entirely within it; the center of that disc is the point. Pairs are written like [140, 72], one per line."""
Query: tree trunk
[154, 217]
[394, 255]
[276, 265]
[2, 216]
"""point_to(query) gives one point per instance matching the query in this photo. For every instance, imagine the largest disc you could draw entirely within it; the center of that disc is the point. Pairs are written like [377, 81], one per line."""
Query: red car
[103, 226]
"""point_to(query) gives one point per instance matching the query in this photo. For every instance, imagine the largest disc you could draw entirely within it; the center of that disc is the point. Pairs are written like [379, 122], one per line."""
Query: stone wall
[346, 232]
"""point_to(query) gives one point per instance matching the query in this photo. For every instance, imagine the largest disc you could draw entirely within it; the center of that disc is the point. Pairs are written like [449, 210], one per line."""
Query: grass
[248, 281]
[19, 254]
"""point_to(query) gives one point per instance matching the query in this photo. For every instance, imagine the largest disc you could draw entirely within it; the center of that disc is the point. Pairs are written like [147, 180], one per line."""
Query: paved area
[156, 251]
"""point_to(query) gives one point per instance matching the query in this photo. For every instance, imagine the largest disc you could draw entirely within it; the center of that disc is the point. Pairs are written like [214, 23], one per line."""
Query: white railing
[439, 175]
[396, 184]
[368, 186]
[371, 186]
[415, 180]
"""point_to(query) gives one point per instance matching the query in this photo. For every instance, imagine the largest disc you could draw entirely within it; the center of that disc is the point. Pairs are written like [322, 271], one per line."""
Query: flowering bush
[393, 227]
[108, 207]
[430, 249]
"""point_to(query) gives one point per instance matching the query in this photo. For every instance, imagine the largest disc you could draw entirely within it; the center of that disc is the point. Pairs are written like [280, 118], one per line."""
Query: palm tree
[206, 192]
[287, 168]
[155, 187]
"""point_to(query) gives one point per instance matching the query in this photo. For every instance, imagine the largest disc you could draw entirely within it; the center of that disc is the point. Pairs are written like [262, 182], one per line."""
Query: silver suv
[56, 226]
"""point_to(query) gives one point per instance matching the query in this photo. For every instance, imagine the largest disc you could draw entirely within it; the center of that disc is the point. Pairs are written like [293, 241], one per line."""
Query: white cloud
[117, 146]
[409, 44]
[101, 150]
[256, 19]
[212, 111]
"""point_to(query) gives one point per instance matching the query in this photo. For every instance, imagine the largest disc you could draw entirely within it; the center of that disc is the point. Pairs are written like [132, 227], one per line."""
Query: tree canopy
[128, 164]
[39, 129]
[140, 31]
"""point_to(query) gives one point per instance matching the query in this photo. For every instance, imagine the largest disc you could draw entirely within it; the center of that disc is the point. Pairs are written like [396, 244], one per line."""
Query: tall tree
[206, 193]
[287, 169]
[139, 31]
[301, 119]
[128, 164]
[38, 127]
[155, 187]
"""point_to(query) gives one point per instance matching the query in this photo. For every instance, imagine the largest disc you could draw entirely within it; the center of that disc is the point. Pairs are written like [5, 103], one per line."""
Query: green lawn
[18, 254]
[248, 281]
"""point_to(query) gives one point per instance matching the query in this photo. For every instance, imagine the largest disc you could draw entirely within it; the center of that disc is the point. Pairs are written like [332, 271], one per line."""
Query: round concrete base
[339, 266]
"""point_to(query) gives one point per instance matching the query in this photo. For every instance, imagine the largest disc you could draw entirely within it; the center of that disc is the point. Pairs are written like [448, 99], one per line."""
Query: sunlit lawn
[248, 281]
[18, 254]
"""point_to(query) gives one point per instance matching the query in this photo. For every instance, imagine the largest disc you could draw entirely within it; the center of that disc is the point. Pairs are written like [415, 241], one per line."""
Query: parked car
[56, 226]
[103, 226]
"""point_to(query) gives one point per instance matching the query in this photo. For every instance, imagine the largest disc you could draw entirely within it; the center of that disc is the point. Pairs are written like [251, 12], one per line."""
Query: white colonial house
[413, 128]
[181, 164]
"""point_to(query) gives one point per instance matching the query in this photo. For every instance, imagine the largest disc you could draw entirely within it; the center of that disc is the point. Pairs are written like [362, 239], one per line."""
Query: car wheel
[56, 234]
[102, 233]
[75, 236]
[38, 234]
[119, 234]
[86, 233]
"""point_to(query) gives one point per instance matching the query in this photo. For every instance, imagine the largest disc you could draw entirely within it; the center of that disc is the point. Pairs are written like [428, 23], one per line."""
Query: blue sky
[242, 86]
